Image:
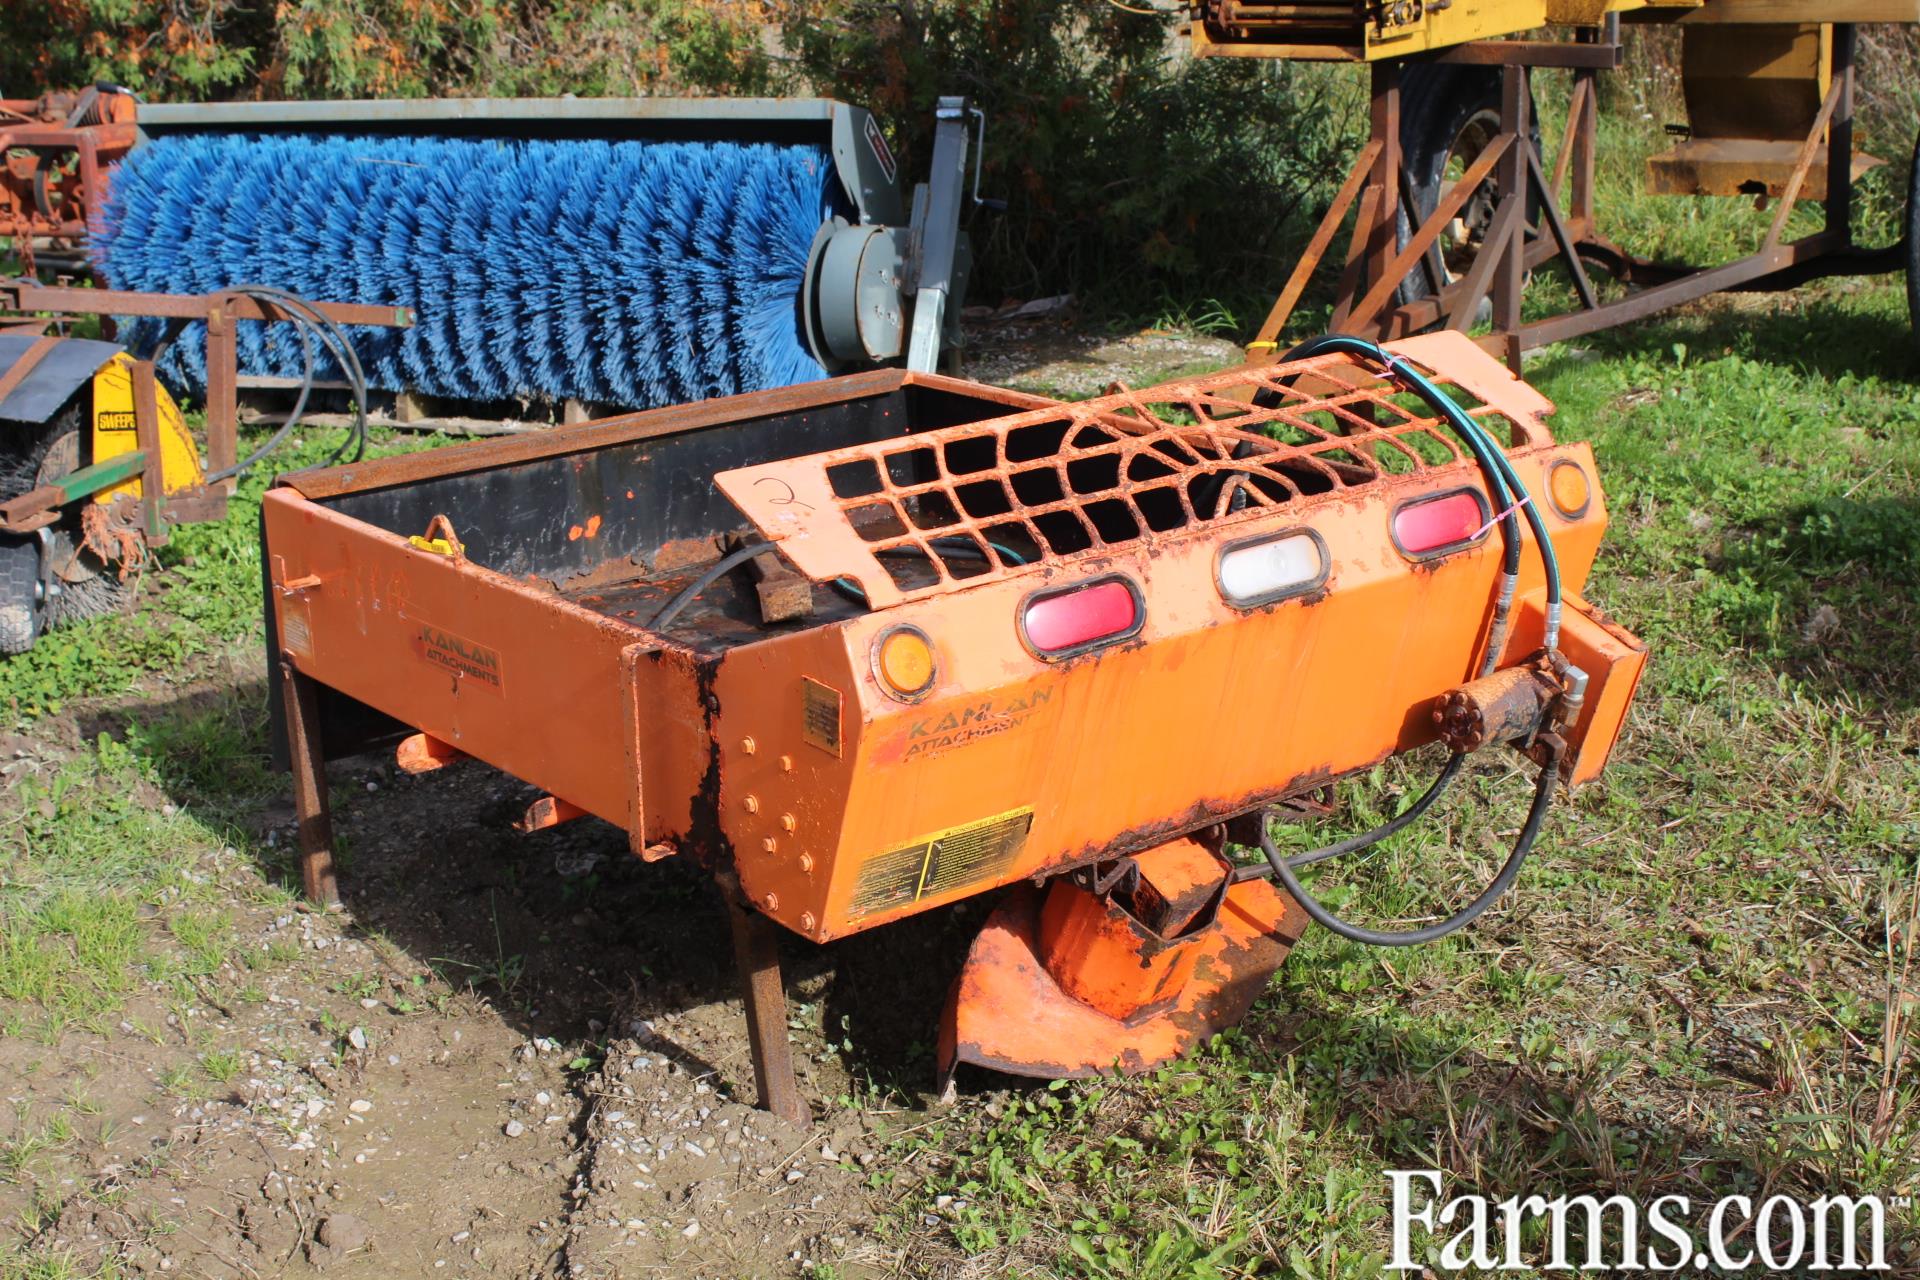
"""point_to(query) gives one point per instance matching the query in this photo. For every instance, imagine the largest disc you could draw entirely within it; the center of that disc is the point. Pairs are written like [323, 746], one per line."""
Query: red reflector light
[1058, 623]
[1428, 526]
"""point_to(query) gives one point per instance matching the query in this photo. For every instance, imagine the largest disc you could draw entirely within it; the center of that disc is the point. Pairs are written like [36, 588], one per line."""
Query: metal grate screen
[944, 508]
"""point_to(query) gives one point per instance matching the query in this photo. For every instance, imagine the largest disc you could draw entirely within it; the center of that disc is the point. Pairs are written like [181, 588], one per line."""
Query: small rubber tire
[23, 610]
[24, 448]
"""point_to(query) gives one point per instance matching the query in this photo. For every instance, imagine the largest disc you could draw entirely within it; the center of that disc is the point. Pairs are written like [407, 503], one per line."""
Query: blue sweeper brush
[628, 252]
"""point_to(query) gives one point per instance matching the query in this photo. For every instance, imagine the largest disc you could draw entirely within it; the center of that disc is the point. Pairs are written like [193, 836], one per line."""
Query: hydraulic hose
[1367, 839]
[294, 415]
[309, 323]
[721, 567]
[1509, 871]
[1510, 497]
[340, 346]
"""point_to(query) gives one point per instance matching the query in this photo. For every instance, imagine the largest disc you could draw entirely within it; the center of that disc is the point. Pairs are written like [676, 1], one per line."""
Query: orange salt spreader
[871, 646]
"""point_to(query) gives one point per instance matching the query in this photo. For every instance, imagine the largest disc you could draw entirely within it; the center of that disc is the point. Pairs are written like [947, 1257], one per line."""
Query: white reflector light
[1257, 573]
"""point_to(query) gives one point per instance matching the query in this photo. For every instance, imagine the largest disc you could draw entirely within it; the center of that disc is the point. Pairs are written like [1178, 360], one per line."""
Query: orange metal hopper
[877, 645]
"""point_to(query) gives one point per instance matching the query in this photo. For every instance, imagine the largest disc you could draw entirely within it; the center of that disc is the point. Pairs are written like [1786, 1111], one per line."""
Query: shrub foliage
[1131, 172]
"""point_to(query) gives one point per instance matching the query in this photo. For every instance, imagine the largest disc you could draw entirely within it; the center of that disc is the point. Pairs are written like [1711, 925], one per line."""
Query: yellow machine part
[1399, 30]
[114, 432]
[1371, 30]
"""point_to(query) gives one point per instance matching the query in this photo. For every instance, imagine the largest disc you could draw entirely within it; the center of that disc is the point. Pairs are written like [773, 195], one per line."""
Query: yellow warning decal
[945, 860]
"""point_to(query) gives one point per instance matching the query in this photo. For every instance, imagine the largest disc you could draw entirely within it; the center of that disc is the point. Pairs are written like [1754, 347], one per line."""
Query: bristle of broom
[629, 273]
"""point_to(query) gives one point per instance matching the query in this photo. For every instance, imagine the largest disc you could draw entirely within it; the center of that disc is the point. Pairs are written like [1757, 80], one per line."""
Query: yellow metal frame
[1404, 29]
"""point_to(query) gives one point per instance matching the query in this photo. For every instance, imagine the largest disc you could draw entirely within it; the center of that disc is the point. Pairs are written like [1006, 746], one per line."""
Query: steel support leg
[222, 394]
[756, 952]
[312, 812]
[1839, 196]
[1510, 274]
[1386, 127]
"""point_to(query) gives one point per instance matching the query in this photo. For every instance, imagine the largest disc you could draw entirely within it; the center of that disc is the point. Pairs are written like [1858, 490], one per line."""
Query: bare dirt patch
[508, 1055]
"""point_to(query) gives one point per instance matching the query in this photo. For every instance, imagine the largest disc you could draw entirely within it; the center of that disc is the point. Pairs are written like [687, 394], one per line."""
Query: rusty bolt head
[771, 902]
[770, 845]
[1461, 721]
[806, 863]
[788, 822]
[752, 803]
[786, 764]
[747, 746]
[806, 921]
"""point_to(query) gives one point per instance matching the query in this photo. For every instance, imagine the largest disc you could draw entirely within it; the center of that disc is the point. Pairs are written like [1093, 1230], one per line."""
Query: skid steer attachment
[922, 640]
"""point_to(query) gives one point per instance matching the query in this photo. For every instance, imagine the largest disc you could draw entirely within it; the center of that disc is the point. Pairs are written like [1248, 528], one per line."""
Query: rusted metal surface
[35, 509]
[1007, 1013]
[1613, 659]
[1129, 948]
[848, 779]
[146, 422]
[313, 811]
[1500, 708]
[756, 954]
[158, 505]
[1818, 155]
[27, 295]
[827, 801]
[987, 501]
[1387, 281]
[501, 669]
[623, 428]
[784, 595]
[1264, 349]
[221, 312]
[54, 153]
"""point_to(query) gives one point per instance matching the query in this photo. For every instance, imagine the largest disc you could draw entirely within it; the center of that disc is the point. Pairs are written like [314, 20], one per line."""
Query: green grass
[103, 891]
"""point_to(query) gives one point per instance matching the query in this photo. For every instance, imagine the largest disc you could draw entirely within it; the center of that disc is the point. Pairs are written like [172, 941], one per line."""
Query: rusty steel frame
[755, 936]
[26, 126]
[313, 810]
[25, 303]
[1376, 263]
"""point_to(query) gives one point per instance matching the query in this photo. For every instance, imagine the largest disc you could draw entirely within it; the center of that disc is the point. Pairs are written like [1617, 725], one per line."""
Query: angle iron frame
[1376, 262]
[27, 306]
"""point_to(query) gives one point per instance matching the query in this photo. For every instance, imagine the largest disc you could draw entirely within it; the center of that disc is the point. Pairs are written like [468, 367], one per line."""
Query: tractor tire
[32, 454]
[1448, 114]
